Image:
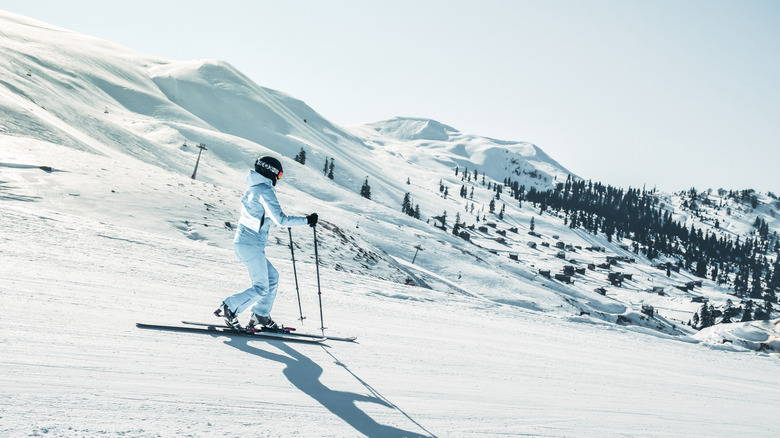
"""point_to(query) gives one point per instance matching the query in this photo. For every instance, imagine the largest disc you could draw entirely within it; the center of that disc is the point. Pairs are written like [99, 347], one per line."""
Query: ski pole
[319, 289]
[295, 274]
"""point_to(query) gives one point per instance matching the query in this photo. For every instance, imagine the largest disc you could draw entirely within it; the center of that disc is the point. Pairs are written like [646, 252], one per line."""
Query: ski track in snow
[437, 365]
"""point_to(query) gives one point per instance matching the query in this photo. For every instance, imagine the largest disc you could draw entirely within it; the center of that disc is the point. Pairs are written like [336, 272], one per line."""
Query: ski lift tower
[202, 148]
[418, 248]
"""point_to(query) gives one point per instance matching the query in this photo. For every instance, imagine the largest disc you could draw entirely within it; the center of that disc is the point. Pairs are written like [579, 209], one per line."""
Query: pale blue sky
[668, 93]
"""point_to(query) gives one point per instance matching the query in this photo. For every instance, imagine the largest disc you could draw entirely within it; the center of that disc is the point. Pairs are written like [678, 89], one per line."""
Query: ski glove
[312, 219]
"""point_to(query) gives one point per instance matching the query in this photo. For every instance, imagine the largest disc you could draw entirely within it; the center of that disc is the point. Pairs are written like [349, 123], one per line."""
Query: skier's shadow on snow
[305, 374]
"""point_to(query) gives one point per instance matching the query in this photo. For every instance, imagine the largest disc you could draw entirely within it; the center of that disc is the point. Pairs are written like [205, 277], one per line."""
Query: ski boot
[263, 323]
[230, 318]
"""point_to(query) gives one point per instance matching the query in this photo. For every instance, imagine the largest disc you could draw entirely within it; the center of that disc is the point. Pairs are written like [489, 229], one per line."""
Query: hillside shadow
[7, 195]
[305, 374]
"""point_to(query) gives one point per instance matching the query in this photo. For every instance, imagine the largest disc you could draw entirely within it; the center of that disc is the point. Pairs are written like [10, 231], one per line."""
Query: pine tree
[301, 157]
[365, 191]
[729, 313]
[406, 205]
[707, 317]
[747, 314]
[763, 312]
[330, 168]
[325, 169]
[757, 291]
[774, 281]
[701, 268]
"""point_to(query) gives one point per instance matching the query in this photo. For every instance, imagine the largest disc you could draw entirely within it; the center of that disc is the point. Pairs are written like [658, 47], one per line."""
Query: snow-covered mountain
[102, 225]
[435, 145]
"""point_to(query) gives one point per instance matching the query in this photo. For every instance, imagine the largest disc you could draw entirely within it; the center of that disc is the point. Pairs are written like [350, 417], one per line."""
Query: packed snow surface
[102, 226]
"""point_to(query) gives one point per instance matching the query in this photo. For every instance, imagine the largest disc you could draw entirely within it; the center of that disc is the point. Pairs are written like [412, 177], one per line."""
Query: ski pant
[265, 280]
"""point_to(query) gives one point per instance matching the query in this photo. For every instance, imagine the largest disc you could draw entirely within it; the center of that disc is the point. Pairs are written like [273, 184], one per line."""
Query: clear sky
[668, 93]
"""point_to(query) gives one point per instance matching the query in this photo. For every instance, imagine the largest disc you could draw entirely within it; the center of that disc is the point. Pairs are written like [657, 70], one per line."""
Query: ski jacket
[257, 206]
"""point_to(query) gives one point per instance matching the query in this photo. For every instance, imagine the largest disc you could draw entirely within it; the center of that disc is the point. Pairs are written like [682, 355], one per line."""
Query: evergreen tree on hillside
[456, 227]
[406, 204]
[729, 313]
[747, 314]
[764, 312]
[301, 157]
[774, 281]
[706, 316]
[741, 282]
[701, 268]
[365, 191]
[331, 167]
[757, 290]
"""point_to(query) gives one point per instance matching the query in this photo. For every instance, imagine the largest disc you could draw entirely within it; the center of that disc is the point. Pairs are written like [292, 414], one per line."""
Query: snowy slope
[435, 145]
[115, 231]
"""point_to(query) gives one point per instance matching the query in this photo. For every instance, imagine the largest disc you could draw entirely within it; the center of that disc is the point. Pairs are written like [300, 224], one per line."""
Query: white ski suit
[257, 206]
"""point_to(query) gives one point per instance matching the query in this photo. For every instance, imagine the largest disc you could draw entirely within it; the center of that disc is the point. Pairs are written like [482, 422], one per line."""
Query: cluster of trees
[744, 265]
[301, 156]
[707, 315]
[329, 166]
[327, 170]
[467, 175]
[406, 207]
[639, 215]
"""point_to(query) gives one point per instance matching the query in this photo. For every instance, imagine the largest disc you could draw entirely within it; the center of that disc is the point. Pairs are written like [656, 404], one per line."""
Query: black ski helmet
[269, 167]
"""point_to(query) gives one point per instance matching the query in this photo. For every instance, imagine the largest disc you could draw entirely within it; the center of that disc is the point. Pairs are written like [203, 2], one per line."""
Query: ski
[222, 329]
[288, 332]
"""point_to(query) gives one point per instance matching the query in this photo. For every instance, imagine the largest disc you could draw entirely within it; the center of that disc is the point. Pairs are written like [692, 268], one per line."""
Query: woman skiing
[257, 206]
